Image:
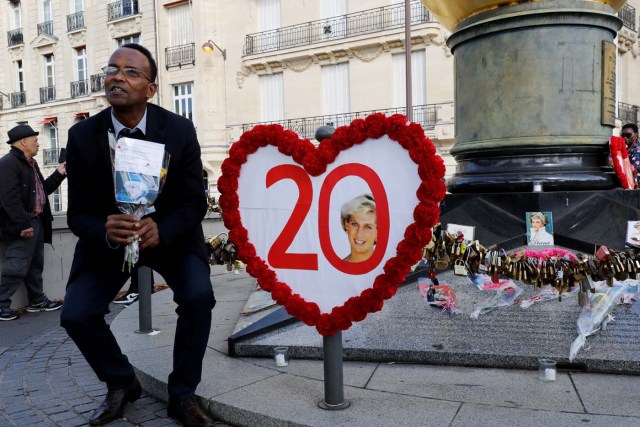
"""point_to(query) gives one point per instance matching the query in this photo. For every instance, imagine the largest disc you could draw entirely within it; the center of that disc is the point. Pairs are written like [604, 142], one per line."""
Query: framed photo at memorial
[539, 228]
[468, 231]
[633, 234]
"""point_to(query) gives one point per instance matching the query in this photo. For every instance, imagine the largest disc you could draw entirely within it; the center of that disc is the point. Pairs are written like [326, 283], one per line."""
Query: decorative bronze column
[534, 93]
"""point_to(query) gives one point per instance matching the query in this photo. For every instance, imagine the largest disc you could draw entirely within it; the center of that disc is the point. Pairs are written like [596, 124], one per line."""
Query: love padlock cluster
[213, 206]
[222, 252]
[559, 268]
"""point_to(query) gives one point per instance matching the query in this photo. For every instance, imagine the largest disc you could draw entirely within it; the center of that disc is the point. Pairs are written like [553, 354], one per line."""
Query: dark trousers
[23, 263]
[87, 302]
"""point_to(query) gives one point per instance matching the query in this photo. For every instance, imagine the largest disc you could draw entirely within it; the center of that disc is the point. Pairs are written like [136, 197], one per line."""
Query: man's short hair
[632, 126]
[143, 50]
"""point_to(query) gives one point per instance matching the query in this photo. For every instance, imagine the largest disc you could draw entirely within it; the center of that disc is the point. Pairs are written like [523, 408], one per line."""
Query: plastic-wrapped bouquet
[139, 171]
[441, 296]
[596, 313]
[504, 296]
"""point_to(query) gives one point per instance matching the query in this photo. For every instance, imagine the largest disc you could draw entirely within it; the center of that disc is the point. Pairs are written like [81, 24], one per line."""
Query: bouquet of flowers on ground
[596, 313]
[139, 171]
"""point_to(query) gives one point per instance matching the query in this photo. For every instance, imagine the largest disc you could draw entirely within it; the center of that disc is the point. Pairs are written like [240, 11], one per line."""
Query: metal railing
[338, 27]
[50, 156]
[177, 56]
[122, 8]
[45, 28]
[79, 88]
[15, 37]
[18, 99]
[628, 16]
[75, 21]
[47, 94]
[628, 113]
[426, 115]
[97, 82]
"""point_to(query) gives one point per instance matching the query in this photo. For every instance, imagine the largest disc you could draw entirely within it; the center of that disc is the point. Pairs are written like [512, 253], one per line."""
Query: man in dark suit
[171, 239]
[25, 221]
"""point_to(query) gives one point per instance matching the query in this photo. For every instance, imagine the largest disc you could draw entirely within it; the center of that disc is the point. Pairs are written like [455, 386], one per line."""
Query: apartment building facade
[301, 63]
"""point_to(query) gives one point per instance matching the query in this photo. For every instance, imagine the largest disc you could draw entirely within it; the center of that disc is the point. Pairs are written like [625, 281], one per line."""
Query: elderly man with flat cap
[25, 221]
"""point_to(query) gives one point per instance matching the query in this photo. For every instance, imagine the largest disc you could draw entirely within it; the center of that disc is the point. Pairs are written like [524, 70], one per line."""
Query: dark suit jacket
[18, 196]
[180, 207]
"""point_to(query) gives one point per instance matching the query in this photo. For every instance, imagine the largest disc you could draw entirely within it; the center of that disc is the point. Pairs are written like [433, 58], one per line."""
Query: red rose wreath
[431, 191]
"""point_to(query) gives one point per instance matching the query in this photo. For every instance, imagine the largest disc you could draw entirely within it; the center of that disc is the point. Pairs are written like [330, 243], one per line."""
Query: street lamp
[209, 46]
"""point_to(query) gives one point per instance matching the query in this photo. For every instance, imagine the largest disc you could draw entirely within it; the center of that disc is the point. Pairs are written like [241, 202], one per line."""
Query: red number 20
[278, 256]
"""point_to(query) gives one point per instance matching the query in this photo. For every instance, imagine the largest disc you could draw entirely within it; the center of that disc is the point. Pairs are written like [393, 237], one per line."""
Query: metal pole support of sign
[333, 381]
[144, 300]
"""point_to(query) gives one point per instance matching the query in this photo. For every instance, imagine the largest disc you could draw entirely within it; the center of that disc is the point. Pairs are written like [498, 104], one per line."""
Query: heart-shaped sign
[331, 231]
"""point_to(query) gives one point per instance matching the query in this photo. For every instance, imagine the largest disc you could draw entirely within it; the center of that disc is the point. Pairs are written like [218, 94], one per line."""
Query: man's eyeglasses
[129, 72]
[626, 135]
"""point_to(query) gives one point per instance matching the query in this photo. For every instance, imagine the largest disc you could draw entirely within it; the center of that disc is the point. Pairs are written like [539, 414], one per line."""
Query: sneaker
[127, 298]
[45, 305]
[6, 313]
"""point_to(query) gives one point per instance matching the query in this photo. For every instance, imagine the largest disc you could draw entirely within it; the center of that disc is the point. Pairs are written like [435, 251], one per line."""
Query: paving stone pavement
[45, 381]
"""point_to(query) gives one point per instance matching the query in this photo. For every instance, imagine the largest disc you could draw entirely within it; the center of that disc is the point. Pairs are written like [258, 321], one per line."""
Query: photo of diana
[538, 234]
[359, 221]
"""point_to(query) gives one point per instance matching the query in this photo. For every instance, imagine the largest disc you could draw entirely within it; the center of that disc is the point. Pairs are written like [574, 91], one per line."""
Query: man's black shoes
[113, 405]
[189, 413]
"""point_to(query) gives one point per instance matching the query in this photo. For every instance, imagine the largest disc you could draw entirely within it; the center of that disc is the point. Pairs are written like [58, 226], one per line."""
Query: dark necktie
[137, 133]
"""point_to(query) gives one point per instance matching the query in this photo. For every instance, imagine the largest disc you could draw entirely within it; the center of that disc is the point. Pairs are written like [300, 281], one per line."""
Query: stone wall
[58, 257]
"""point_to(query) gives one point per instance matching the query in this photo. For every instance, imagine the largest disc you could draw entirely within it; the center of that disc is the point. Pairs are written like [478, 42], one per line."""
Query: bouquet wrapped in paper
[139, 171]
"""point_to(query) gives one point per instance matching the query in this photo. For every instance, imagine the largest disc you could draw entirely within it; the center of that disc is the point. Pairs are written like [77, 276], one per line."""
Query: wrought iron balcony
[50, 156]
[75, 21]
[426, 115]
[121, 9]
[45, 28]
[47, 94]
[628, 16]
[18, 99]
[628, 113]
[178, 56]
[97, 82]
[79, 88]
[15, 37]
[338, 27]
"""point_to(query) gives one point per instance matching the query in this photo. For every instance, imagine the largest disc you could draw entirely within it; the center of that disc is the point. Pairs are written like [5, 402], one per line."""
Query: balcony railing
[628, 113]
[18, 99]
[47, 94]
[338, 27]
[50, 156]
[15, 37]
[45, 28]
[426, 115]
[628, 16]
[75, 21]
[97, 82]
[178, 56]
[79, 88]
[122, 8]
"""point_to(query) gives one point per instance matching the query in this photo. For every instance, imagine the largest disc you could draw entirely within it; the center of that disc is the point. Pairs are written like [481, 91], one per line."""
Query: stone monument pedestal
[535, 97]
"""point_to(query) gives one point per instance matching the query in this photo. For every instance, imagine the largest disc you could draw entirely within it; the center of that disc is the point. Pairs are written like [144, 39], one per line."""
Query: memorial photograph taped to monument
[633, 234]
[539, 228]
[467, 231]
